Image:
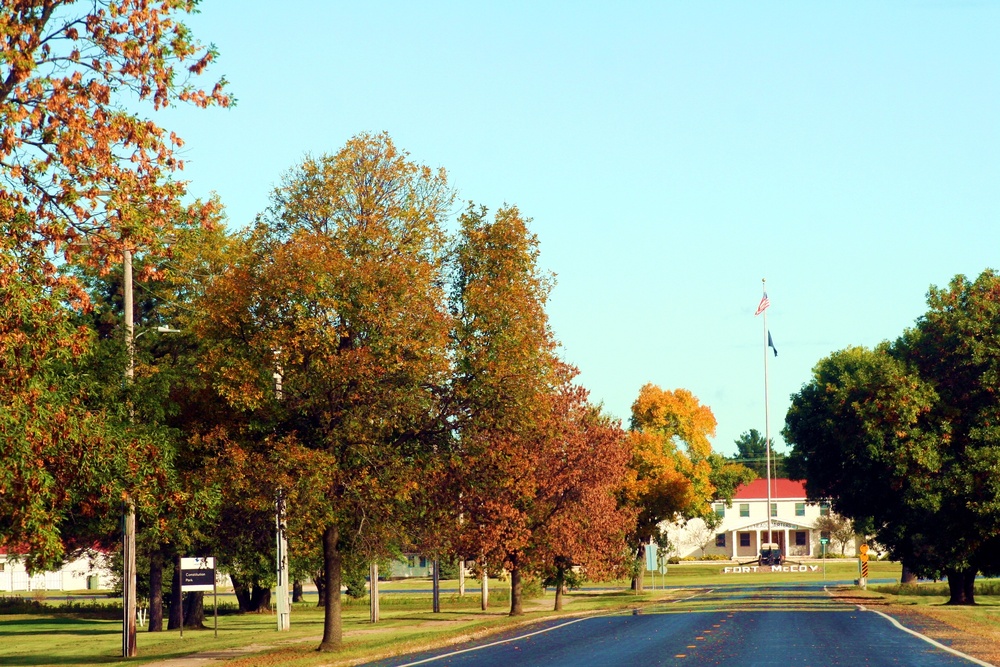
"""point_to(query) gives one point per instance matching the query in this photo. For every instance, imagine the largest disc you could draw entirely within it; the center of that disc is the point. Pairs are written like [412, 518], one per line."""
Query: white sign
[198, 574]
[774, 568]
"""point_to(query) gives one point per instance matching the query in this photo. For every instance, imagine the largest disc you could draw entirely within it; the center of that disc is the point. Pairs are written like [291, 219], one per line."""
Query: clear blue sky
[671, 154]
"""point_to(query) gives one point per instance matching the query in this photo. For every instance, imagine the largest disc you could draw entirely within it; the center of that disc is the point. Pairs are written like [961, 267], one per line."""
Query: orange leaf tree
[338, 293]
[72, 153]
[576, 523]
[516, 469]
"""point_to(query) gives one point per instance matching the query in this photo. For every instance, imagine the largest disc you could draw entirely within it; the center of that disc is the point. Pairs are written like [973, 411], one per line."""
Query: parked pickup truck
[770, 554]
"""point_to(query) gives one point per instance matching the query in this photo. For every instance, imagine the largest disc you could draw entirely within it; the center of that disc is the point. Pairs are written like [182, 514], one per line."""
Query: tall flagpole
[767, 418]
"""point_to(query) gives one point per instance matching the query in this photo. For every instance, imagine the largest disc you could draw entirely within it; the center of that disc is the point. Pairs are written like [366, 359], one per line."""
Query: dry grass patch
[973, 630]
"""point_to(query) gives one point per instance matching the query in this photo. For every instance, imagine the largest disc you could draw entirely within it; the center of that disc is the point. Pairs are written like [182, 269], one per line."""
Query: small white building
[744, 524]
[81, 573]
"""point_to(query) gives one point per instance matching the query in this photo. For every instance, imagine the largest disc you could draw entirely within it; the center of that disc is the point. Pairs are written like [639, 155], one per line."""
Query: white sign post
[198, 574]
[652, 551]
[284, 605]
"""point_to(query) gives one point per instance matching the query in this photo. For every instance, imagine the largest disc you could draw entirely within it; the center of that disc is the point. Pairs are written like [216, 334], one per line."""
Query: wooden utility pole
[129, 646]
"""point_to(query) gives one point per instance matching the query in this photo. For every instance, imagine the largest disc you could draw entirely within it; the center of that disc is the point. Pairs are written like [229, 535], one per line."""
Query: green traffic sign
[824, 540]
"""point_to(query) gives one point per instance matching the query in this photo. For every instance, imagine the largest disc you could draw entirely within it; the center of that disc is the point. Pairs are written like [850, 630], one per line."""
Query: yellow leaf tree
[675, 475]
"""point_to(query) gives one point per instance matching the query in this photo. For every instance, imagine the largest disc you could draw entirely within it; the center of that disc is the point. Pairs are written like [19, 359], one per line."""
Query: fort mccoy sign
[744, 569]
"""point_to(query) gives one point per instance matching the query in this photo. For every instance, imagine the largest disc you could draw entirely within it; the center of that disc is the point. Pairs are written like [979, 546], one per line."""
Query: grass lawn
[407, 624]
[80, 638]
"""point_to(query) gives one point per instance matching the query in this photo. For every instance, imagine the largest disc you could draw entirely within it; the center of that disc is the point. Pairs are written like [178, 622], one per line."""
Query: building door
[778, 537]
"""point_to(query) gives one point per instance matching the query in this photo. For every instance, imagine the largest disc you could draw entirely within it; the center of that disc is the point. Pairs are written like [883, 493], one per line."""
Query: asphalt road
[745, 626]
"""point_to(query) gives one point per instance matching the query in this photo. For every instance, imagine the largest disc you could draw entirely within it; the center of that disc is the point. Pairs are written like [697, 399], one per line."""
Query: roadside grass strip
[927, 639]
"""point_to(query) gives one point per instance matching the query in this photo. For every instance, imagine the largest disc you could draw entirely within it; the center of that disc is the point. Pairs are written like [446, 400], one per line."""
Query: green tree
[752, 452]
[955, 347]
[861, 437]
[904, 436]
[165, 398]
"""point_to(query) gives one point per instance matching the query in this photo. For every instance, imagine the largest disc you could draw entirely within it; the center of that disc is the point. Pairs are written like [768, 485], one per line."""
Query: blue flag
[770, 343]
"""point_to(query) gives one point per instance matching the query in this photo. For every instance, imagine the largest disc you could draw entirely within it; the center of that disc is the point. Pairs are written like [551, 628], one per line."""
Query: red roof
[781, 489]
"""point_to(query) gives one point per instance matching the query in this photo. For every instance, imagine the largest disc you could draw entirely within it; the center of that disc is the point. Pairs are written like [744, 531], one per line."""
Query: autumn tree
[577, 523]
[839, 528]
[74, 156]
[674, 470]
[60, 457]
[337, 291]
[82, 178]
[506, 372]
[565, 515]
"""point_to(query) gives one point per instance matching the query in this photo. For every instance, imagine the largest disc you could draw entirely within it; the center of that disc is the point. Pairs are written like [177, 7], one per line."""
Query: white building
[79, 574]
[744, 524]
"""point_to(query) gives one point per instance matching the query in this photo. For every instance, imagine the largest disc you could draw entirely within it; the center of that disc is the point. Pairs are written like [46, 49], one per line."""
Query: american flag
[764, 303]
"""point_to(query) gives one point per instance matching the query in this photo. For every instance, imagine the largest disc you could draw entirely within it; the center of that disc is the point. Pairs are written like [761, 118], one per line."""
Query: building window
[800, 509]
[774, 509]
[744, 509]
[744, 539]
[720, 540]
[720, 509]
[800, 538]
[423, 561]
[824, 509]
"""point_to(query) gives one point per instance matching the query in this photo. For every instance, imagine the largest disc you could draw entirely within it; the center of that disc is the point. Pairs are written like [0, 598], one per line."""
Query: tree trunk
[970, 585]
[319, 579]
[175, 597]
[260, 599]
[485, 590]
[194, 610]
[156, 591]
[297, 595]
[560, 580]
[332, 629]
[908, 576]
[638, 583]
[241, 591]
[516, 608]
[252, 597]
[436, 585]
[961, 586]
